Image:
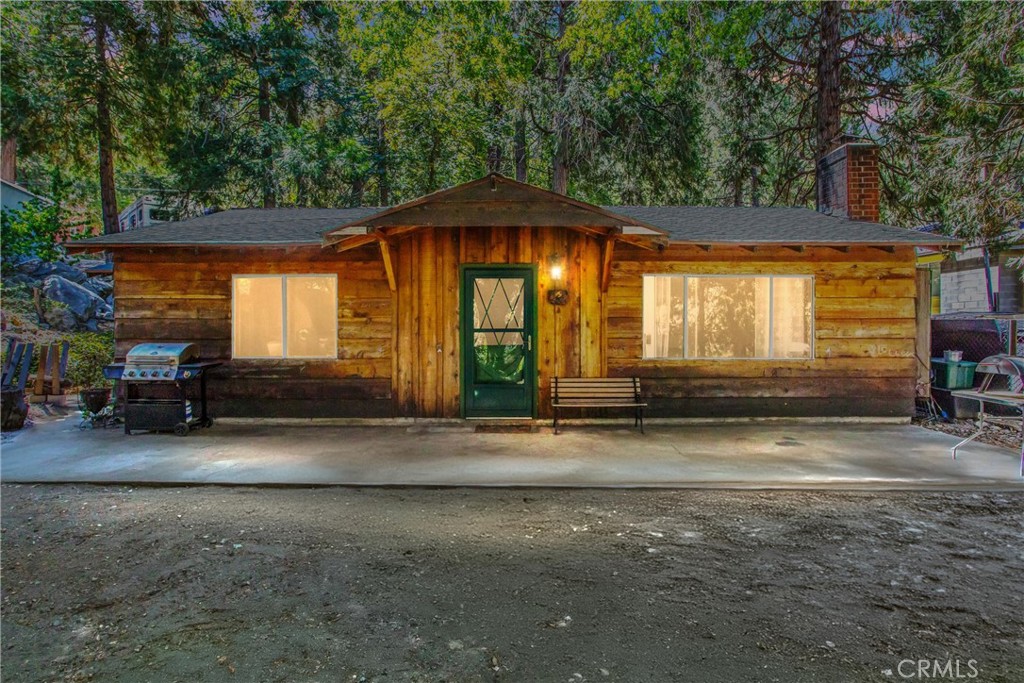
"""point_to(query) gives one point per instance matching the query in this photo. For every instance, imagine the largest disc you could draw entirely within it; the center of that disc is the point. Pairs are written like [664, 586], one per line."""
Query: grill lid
[1002, 364]
[163, 354]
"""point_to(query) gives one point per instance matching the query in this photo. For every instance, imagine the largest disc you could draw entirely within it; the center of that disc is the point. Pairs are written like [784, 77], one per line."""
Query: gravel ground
[1006, 434]
[243, 584]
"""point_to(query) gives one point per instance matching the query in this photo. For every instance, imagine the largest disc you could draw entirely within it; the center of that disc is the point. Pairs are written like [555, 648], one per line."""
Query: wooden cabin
[467, 302]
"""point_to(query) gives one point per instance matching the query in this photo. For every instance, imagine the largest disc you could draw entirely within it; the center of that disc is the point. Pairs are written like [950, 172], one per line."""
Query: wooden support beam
[607, 249]
[705, 247]
[651, 243]
[887, 248]
[586, 230]
[798, 248]
[842, 250]
[398, 232]
[389, 263]
[752, 248]
[355, 242]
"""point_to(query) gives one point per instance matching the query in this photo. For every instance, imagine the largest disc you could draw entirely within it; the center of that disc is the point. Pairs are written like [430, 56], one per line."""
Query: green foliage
[256, 102]
[89, 353]
[962, 132]
[36, 229]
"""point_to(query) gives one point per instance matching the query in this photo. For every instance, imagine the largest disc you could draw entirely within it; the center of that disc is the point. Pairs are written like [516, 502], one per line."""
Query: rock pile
[84, 303]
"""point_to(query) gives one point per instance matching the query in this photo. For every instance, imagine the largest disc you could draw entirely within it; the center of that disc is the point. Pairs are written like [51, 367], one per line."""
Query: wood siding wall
[864, 332]
[399, 351]
[185, 295]
[570, 337]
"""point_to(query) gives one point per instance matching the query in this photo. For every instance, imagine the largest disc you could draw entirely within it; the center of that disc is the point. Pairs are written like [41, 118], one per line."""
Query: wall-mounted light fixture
[557, 295]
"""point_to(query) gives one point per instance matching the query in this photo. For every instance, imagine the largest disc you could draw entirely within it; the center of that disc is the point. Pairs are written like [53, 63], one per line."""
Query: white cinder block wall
[965, 290]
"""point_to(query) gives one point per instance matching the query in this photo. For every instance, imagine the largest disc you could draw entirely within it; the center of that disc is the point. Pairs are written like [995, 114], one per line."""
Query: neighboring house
[468, 301]
[76, 220]
[959, 283]
[143, 212]
[13, 196]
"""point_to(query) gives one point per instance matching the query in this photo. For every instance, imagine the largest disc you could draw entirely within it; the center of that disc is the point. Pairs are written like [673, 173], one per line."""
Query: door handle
[529, 342]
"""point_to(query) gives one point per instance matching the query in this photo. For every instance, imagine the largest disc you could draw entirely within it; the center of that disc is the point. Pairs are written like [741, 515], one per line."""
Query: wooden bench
[598, 392]
[50, 379]
[16, 365]
[13, 408]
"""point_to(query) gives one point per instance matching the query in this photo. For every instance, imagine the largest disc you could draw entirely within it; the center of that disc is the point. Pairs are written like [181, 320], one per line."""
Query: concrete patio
[746, 455]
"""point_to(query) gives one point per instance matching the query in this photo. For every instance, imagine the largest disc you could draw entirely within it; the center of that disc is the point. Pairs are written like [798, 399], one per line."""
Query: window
[284, 316]
[747, 316]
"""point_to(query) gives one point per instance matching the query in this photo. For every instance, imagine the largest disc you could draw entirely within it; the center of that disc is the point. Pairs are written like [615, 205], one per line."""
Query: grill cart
[164, 388]
[1003, 385]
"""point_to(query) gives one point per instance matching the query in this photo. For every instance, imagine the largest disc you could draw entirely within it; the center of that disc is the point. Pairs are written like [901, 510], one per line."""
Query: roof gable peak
[493, 200]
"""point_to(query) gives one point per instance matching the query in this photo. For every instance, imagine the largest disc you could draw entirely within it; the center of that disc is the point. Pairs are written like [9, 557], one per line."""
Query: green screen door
[498, 367]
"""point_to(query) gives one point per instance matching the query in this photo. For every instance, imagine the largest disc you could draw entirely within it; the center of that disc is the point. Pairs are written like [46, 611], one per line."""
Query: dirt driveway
[243, 584]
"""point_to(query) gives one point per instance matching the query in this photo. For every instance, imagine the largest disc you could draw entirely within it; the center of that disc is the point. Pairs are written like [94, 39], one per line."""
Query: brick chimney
[848, 181]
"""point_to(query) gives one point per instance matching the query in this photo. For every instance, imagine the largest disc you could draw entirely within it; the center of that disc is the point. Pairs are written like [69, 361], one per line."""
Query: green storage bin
[953, 375]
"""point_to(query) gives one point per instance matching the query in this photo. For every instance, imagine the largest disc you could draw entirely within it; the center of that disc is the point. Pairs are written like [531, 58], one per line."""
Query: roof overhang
[494, 201]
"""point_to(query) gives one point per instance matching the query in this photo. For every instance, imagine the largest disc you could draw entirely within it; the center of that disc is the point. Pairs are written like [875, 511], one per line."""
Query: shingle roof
[770, 224]
[238, 226]
[694, 224]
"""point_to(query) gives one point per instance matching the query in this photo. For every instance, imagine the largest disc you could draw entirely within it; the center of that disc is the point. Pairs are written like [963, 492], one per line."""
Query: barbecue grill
[159, 383]
[1007, 372]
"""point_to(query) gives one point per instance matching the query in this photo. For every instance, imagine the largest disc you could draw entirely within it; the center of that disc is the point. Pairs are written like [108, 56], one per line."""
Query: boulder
[70, 272]
[26, 264]
[100, 286]
[21, 279]
[82, 302]
[63, 319]
[42, 270]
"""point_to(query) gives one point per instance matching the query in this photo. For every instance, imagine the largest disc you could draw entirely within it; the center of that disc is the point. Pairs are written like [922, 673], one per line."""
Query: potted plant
[89, 354]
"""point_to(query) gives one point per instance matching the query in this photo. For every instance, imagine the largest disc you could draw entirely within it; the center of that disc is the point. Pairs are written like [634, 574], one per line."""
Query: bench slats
[597, 392]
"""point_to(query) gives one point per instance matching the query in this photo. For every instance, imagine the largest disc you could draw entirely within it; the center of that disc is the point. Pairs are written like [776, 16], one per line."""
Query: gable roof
[495, 201]
[680, 224]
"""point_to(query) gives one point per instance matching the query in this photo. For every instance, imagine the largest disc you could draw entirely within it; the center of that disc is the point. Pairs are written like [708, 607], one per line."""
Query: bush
[89, 353]
[36, 229]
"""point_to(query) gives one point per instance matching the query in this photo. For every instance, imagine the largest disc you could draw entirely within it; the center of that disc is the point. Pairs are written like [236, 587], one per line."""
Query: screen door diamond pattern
[498, 329]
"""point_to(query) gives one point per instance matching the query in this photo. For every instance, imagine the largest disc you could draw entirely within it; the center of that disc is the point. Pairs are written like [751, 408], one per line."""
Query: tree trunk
[358, 185]
[495, 151]
[520, 148]
[269, 196]
[755, 173]
[737, 190]
[105, 130]
[829, 74]
[563, 136]
[494, 158]
[293, 114]
[383, 187]
[9, 163]
[432, 158]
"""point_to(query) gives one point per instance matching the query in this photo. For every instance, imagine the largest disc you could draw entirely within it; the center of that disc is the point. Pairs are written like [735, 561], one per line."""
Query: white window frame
[771, 316]
[284, 277]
